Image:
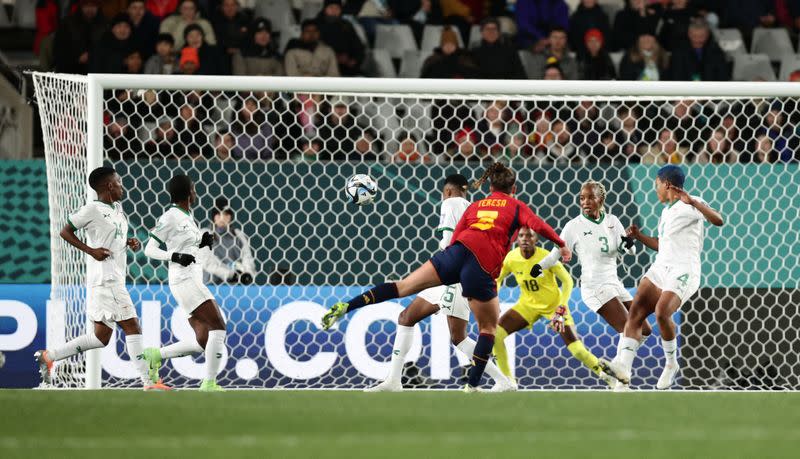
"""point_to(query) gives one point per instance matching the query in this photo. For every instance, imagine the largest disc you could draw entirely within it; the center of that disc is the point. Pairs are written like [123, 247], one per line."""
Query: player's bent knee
[457, 337]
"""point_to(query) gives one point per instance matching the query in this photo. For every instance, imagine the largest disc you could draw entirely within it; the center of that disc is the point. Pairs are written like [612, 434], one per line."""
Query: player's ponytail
[500, 177]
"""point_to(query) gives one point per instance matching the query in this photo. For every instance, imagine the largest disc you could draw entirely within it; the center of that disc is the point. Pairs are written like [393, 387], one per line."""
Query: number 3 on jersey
[486, 219]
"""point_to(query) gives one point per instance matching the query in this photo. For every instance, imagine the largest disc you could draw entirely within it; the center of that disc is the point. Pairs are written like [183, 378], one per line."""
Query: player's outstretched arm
[534, 222]
[713, 216]
[68, 234]
[635, 233]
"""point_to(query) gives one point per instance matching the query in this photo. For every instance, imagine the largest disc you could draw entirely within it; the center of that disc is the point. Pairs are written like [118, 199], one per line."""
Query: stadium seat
[278, 11]
[752, 67]
[310, 10]
[431, 36]
[383, 65]
[25, 14]
[411, 65]
[616, 58]
[789, 64]
[474, 36]
[527, 62]
[775, 43]
[394, 38]
[287, 33]
[730, 40]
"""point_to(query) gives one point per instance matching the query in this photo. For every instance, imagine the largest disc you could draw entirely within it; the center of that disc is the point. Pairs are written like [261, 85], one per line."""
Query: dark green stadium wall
[294, 211]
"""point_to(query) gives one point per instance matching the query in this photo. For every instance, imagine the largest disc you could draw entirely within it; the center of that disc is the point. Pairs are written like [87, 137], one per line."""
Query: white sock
[402, 344]
[627, 352]
[670, 350]
[181, 348]
[80, 344]
[134, 345]
[468, 347]
[215, 347]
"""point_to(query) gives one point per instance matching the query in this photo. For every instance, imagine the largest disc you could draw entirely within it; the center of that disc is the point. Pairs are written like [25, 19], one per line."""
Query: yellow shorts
[532, 313]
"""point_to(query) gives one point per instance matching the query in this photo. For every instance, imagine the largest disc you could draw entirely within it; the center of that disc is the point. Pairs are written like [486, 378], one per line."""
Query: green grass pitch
[314, 424]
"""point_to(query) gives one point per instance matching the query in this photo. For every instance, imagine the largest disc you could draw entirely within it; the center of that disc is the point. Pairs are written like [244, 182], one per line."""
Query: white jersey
[597, 244]
[451, 212]
[680, 235]
[106, 227]
[178, 230]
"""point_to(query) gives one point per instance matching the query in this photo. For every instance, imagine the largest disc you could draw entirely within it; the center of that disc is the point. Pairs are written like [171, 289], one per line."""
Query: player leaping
[675, 275]
[178, 231]
[447, 298]
[109, 302]
[479, 243]
[540, 297]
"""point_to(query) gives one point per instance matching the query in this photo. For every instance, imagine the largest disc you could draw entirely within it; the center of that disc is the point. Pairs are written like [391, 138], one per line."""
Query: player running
[541, 297]
[109, 302]
[448, 298]
[178, 231]
[478, 245]
[598, 239]
[675, 275]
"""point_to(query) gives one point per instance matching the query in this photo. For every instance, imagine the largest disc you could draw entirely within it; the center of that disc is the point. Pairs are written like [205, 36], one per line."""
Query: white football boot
[504, 385]
[386, 386]
[667, 376]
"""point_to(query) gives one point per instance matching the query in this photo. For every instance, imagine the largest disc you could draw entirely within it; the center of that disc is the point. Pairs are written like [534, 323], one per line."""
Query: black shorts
[457, 264]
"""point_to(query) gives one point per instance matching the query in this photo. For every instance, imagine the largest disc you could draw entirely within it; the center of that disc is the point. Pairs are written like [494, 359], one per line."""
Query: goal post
[279, 149]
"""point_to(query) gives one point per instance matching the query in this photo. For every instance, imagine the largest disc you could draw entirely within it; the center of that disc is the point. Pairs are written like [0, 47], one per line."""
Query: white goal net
[276, 153]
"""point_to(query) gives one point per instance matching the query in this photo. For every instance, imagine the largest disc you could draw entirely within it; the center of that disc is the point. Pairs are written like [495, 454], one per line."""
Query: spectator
[163, 61]
[193, 140]
[308, 151]
[364, 147]
[553, 71]
[120, 141]
[189, 62]
[717, 150]
[555, 53]
[517, 146]
[763, 148]
[636, 19]
[340, 35]
[588, 15]
[108, 56]
[231, 258]
[78, 34]
[164, 141]
[779, 132]
[628, 137]
[133, 62]
[666, 150]
[144, 28]
[536, 19]
[541, 136]
[646, 61]
[491, 129]
[338, 133]
[47, 17]
[307, 56]
[161, 8]
[461, 14]
[258, 55]
[230, 27]
[370, 14]
[675, 25]
[794, 76]
[188, 15]
[496, 59]
[211, 59]
[748, 14]
[408, 151]
[448, 60]
[596, 64]
[224, 142]
[253, 132]
[463, 148]
[560, 150]
[701, 59]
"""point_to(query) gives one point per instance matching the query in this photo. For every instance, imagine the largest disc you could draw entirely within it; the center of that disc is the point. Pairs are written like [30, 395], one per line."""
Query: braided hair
[500, 177]
[599, 190]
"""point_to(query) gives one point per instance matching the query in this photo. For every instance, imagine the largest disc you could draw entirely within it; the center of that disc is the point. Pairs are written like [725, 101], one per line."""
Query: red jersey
[490, 225]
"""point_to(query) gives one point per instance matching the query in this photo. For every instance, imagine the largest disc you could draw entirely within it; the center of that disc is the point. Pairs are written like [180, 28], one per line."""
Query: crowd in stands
[534, 39]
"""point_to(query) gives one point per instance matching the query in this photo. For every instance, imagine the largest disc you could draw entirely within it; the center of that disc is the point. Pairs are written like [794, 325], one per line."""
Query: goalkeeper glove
[627, 242]
[183, 259]
[536, 270]
[208, 239]
[557, 322]
[241, 277]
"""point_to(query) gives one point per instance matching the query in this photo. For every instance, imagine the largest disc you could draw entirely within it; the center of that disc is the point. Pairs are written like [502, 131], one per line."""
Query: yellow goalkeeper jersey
[539, 291]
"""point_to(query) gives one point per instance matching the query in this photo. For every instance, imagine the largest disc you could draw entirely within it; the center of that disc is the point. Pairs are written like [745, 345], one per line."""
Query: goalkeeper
[541, 297]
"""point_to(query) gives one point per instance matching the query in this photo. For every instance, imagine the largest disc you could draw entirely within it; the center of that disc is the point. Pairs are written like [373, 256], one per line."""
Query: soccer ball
[361, 189]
